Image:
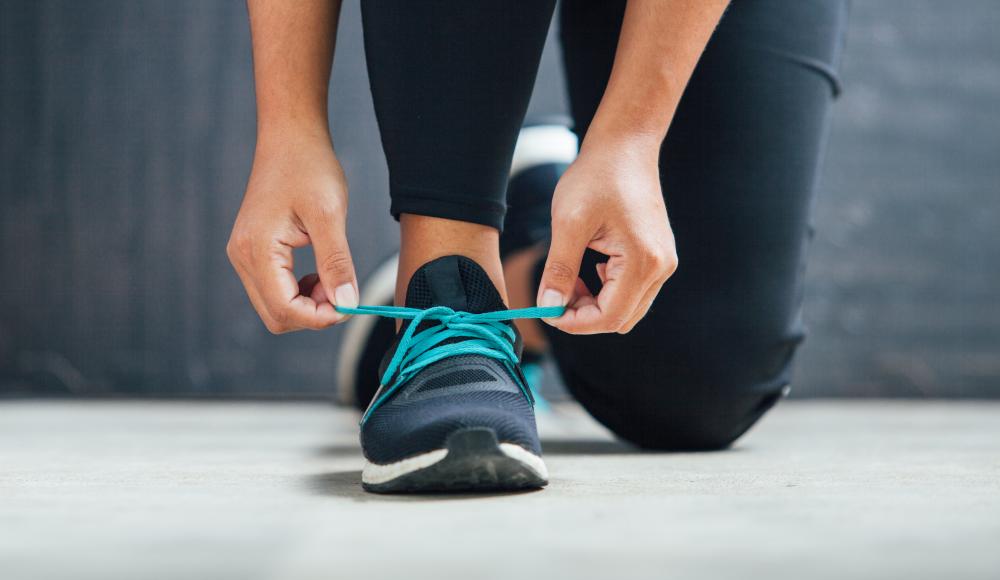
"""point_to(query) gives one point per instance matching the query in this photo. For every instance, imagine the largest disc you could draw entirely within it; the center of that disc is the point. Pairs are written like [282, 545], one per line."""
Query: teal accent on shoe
[533, 373]
[485, 333]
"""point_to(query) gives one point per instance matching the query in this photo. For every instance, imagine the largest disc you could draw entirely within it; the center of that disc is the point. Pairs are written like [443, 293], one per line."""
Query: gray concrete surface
[130, 490]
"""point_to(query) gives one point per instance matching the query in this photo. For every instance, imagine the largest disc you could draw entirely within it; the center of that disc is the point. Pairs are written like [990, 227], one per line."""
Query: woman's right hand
[296, 196]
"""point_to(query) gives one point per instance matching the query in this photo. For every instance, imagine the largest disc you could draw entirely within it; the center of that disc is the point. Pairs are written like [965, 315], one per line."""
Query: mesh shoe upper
[453, 393]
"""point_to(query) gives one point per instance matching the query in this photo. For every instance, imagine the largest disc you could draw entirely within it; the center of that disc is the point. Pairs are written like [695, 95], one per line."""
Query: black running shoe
[454, 412]
[545, 147]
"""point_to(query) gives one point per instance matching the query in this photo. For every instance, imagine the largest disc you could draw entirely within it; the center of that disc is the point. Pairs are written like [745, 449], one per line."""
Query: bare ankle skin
[426, 238]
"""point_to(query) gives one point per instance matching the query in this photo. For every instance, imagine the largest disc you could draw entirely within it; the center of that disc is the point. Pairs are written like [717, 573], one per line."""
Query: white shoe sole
[471, 461]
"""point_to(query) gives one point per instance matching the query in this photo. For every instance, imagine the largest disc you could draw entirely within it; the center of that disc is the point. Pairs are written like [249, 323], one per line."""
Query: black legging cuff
[430, 203]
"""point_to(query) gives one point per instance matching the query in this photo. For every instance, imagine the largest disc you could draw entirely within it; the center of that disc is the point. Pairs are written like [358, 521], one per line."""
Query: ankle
[425, 238]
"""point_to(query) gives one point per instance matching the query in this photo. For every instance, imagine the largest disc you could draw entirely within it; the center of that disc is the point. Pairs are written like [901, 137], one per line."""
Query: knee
[708, 404]
[686, 403]
[710, 426]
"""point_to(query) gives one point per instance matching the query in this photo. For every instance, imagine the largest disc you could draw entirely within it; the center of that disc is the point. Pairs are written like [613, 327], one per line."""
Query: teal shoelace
[485, 334]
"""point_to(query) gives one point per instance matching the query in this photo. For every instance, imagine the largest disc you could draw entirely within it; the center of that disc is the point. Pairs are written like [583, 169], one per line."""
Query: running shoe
[544, 149]
[453, 412]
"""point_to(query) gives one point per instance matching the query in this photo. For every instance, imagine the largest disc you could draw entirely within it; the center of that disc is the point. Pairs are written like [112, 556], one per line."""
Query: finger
[670, 266]
[618, 299]
[240, 252]
[644, 305]
[255, 299]
[309, 286]
[580, 298]
[602, 271]
[562, 266]
[333, 257]
[279, 291]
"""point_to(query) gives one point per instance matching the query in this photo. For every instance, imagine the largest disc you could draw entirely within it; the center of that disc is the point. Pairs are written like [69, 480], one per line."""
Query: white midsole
[527, 458]
[374, 473]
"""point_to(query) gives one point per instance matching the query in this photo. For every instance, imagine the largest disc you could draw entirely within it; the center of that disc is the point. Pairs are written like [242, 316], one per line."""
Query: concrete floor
[141, 490]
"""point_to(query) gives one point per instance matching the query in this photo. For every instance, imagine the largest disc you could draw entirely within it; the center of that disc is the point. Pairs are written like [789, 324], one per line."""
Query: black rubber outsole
[474, 463]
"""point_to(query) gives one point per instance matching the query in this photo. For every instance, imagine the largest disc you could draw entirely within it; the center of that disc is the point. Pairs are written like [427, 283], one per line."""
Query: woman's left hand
[608, 200]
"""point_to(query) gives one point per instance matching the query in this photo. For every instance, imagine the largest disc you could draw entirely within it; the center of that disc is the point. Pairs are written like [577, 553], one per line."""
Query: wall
[126, 135]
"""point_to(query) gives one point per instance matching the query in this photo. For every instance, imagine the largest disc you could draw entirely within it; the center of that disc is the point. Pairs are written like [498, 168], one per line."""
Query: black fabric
[463, 375]
[380, 342]
[738, 169]
[399, 430]
[453, 281]
[445, 284]
[454, 393]
[456, 282]
[451, 82]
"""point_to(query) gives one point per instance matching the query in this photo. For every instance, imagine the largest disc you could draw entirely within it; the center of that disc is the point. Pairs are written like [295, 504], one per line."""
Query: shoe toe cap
[395, 431]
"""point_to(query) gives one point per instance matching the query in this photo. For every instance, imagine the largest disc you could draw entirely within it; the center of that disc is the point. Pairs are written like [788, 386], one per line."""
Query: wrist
[297, 155]
[284, 140]
[636, 122]
[282, 131]
[638, 144]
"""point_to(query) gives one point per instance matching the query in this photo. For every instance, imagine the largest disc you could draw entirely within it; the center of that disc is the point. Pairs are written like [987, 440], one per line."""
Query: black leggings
[451, 80]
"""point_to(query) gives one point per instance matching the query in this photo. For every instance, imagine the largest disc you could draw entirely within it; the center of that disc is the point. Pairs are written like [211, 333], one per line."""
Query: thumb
[562, 267]
[333, 262]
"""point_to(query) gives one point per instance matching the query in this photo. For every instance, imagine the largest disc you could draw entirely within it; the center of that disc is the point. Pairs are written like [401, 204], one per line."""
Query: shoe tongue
[456, 282]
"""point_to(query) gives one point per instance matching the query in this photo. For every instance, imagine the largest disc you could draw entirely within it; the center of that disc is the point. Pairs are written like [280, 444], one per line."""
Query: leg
[738, 170]
[451, 82]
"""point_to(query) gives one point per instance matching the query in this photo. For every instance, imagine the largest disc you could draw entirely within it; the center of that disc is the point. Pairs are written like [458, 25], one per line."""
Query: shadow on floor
[549, 447]
[347, 484]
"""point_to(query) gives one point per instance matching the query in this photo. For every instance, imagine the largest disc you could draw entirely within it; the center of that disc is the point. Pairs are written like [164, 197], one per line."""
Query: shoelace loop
[485, 334]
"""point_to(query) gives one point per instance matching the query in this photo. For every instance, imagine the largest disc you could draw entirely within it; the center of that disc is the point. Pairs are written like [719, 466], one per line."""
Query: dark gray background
[126, 135]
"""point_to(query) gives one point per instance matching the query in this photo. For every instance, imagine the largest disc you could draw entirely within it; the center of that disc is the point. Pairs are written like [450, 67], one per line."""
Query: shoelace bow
[485, 334]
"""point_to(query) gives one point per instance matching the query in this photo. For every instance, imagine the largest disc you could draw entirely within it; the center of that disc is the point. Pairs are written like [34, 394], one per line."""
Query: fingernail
[551, 298]
[345, 295]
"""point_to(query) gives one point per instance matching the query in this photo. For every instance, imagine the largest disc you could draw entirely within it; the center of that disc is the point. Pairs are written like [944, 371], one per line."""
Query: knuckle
[568, 217]
[239, 247]
[672, 264]
[618, 323]
[659, 259]
[281, 319]
[274, 327]
[337, 264]
[559, 273]
[649, 253]
[329, 210]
